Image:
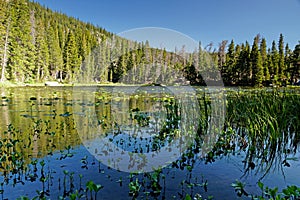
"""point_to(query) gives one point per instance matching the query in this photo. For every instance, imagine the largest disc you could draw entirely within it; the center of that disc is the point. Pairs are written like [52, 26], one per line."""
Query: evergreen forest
[38, 45]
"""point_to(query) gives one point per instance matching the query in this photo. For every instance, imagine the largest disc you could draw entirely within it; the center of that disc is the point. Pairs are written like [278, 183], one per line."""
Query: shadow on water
[42, 152]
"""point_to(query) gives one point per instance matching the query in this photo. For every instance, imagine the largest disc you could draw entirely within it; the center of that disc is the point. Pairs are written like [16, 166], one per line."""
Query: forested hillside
[37, 45]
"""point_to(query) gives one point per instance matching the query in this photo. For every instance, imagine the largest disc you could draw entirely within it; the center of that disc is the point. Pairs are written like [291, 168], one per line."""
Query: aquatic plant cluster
[42, 157]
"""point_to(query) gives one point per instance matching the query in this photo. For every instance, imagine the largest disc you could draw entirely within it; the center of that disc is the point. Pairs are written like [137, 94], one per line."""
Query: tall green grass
[267, 123]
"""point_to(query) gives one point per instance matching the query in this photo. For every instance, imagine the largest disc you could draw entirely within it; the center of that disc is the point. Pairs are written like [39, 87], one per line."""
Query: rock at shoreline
[52, 83]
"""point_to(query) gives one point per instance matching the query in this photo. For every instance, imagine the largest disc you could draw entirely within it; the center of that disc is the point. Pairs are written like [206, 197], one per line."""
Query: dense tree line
[259, 65]
[37, 44]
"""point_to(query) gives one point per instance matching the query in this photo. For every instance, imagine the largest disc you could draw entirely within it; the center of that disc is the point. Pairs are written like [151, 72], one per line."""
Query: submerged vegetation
[42, 153]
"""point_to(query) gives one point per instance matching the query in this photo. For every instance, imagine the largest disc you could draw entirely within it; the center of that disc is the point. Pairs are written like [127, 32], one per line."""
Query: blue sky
[202, 20]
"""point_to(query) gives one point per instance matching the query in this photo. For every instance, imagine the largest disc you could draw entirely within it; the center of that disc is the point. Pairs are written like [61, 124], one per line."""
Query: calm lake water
[172, 141]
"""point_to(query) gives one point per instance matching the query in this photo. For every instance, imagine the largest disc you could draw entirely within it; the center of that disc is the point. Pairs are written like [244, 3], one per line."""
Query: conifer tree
[264, 58]
[281, 64]
[71, 58]
[256, 64]
[295, 60]
[42, 53]
[222, 55]
[274, 63]
[4, 37]
[244, 64]
[21, 48]
[83, 47]
[287, 60]
[267, 64]
[55, 52]
[258, 72]
[236, 71]
[263, 49]
[230, 64]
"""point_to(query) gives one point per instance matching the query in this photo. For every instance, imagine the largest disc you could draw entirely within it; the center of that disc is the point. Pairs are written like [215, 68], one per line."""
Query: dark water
[105, 134]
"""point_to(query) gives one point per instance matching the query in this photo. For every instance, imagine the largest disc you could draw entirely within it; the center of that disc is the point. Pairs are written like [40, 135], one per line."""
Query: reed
[267, 123]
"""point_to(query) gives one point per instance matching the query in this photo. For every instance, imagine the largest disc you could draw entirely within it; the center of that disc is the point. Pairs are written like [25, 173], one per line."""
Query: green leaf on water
[260, 185]
[187, 197]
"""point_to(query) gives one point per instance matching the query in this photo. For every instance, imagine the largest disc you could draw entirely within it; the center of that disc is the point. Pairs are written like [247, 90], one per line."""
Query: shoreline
[8, 84]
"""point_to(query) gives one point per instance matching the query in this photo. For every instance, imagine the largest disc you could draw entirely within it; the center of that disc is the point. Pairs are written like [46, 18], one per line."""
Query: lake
[147, 142]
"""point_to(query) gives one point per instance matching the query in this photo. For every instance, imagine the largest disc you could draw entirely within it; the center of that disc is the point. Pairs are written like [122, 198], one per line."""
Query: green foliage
[55, 65]
[228, 73]
[274, 63]
[134, 188]
[38, 55]
[290, 192]
[239, 188]
[92, 187]
[41, 70]
[268, 127]
[141, 118]
[4, 28]
[11, 159]
[295, 63]
[281, 62]
[21, 47]
[257, 67]
[71, 57]
[37, 45]
[36, 38]
[256, 73]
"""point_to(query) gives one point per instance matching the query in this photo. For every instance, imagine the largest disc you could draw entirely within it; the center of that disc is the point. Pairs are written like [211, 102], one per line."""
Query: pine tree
[267, 68]
[263, 50]
[287, 60]
[21, 48]
[256, 64]
[274, 63]
[84, 47]
[230, 64]
[258, 72]
[71, 57]
[222, 55]
[281, 64]
[264, 58]
[295, 60]
[42, 53]
[236, 71]
[55, 52]
[4, 37]
[243, 64]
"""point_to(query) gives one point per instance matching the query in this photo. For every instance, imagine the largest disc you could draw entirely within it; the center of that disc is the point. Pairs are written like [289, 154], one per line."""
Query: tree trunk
[4, 62]
[38, 74]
